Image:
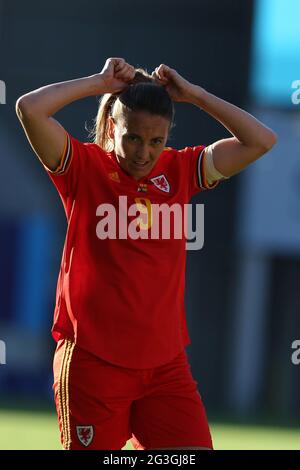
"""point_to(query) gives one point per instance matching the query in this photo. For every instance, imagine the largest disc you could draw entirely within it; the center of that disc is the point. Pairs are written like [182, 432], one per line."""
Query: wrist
[197, 95]
[96, 85]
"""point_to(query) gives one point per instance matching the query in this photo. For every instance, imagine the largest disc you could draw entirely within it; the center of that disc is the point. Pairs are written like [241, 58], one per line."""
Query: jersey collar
[130, 177]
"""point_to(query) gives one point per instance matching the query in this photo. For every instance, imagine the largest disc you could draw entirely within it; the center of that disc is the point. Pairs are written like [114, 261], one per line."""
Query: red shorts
[101, 405]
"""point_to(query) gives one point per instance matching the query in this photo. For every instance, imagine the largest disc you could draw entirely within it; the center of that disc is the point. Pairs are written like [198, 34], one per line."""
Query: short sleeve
[65, 176]
[194, 161]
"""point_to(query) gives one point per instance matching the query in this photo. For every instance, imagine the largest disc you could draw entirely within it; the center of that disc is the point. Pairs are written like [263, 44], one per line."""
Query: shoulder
[87, 150]
[185, 153]
[89, 147]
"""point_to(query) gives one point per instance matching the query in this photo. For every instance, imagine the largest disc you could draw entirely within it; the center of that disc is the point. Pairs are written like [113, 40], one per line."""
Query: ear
[111, 127]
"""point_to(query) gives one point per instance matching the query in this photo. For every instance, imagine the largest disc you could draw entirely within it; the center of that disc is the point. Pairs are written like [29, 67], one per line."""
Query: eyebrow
[136, 135]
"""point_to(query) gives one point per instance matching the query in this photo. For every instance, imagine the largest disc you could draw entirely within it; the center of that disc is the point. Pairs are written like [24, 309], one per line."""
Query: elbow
[270, 141]
[23, 107]
[20, 107]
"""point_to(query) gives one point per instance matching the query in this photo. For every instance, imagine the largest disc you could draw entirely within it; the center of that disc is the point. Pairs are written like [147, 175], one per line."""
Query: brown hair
[142, 94]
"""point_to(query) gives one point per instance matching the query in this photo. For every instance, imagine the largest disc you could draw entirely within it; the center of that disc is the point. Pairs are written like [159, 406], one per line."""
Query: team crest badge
[161, 183]
[85, 434]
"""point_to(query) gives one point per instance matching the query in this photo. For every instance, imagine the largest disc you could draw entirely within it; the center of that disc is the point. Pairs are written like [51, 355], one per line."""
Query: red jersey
[122, 298]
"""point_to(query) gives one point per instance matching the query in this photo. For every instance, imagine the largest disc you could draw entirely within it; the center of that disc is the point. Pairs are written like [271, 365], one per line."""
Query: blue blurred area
[26, 301]
[35, 235]
[275, 55]
[8, 235]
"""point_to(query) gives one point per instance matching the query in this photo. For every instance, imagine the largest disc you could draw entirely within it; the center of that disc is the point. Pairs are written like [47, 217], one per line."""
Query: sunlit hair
[142, 94]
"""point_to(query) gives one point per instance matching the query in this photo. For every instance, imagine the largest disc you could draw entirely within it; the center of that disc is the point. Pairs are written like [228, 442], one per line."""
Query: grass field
[38, 430]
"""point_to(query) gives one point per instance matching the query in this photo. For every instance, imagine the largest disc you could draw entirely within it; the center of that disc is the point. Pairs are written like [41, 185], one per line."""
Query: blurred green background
[38, 429]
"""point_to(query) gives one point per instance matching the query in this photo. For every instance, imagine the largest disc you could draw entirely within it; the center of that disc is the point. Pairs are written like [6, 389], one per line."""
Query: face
[139, 138]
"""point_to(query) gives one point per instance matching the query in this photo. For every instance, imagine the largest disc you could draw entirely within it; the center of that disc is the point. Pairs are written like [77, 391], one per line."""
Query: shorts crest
[85, 434]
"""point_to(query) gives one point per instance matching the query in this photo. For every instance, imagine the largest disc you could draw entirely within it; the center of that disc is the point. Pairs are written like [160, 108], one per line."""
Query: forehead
[142, 123]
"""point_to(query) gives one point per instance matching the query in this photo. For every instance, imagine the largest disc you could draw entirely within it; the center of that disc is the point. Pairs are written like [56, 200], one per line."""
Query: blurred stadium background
[243, 296]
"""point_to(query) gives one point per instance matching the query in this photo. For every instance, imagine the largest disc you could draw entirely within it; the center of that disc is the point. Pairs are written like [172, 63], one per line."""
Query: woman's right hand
[115, 75]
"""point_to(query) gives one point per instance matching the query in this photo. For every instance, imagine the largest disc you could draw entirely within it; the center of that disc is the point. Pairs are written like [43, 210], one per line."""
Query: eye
[132, 138]
[157, 141]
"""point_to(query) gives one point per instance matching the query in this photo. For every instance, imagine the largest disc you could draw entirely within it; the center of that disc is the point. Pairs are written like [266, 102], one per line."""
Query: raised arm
[35, 109]
[251, 138]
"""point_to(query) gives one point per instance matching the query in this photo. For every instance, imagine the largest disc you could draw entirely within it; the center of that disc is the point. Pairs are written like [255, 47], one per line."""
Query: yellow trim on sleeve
[65, 159]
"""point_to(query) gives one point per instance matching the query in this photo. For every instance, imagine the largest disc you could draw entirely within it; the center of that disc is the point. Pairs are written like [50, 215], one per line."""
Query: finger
[159, 76]
[130, 73]
[163, 71]
[125, 73]
[119, 63]
[121, 72]
[158, 80]
[129, 76]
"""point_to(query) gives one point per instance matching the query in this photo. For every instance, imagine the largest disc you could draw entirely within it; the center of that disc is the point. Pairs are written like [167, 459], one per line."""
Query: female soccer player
[120, 368]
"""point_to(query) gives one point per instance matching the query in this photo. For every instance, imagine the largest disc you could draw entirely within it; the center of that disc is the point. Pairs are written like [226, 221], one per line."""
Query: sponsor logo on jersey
[161, 183]
[142, 188]
[85, 434]
[114, 176]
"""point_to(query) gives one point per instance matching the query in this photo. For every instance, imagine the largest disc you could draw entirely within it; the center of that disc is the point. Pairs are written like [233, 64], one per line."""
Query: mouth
[140, 164]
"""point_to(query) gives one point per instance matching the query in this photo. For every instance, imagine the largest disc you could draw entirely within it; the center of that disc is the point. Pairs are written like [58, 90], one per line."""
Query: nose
[142, 153]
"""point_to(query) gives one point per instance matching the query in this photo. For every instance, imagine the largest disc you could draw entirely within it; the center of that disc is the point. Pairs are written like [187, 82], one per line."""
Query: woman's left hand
[178, 88]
